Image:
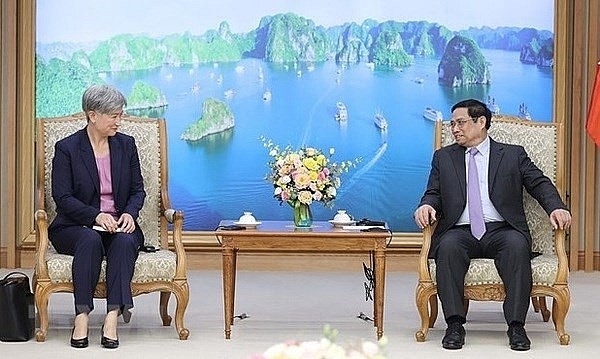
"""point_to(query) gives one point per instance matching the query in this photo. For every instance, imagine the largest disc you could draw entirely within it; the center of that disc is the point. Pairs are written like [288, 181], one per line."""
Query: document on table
[360, 228]
[100, 229]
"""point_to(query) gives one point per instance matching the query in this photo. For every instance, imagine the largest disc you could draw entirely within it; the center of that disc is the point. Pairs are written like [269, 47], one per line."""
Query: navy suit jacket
[510, 170]
[76, 185]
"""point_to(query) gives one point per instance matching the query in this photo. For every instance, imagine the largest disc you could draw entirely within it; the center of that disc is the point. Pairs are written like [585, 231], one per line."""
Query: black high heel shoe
[79, 343]
[108, 343]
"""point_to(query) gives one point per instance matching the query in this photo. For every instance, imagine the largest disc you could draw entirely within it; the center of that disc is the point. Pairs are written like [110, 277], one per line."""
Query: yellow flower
[321, 160]
[310, 163]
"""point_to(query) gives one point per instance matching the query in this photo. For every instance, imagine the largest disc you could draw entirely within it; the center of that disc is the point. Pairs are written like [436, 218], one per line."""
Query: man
[475, 193]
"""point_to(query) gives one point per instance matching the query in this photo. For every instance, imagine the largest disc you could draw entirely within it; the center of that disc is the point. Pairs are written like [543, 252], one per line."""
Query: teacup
[247, 218]
[342, 216]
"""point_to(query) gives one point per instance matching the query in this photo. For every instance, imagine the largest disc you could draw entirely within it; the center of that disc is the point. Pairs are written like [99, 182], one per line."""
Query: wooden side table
[282, 236]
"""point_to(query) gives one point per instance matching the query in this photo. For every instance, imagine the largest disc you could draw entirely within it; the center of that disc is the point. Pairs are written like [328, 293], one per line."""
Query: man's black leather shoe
[455, 336]
[517, 338]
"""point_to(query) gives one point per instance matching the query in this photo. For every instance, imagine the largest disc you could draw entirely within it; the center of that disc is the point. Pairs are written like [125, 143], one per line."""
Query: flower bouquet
[325, 348]
[303, 176]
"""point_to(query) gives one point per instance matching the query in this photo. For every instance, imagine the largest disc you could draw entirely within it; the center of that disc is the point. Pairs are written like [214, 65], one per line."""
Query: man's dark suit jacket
[76, 185]
[510, 169]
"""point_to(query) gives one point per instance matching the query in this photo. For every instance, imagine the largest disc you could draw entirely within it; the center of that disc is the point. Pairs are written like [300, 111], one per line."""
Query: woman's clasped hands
[125, 223]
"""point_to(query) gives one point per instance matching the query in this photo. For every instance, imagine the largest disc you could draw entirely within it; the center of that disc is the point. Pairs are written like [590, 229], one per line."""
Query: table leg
[228, 286]
[233, 281]
[379, 296]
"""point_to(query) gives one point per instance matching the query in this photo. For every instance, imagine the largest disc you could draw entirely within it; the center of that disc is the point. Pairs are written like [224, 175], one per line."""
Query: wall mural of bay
[301, 73]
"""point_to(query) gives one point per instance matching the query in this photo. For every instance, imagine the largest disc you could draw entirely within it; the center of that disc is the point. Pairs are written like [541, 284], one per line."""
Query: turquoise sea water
[221, 176]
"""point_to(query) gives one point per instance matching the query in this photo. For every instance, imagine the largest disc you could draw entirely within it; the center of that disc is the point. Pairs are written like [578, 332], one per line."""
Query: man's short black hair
[476, 109]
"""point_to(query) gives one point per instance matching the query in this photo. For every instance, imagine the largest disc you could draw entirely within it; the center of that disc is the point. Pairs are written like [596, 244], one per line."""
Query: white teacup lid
[247, 217]
[342, 216]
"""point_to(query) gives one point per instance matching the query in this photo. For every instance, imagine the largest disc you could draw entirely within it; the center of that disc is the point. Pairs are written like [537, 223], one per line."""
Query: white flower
[325, 348]
[370, 349]
[331, 191]
[275, 351]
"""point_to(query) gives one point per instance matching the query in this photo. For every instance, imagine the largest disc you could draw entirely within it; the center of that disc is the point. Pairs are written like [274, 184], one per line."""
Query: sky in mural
[92, 18]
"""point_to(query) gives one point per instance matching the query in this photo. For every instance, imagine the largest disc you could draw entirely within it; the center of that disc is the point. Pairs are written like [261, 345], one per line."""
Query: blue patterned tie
[475, 207]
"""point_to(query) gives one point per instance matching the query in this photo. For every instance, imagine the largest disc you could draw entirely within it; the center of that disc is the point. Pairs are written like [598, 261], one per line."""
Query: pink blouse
[107, 203]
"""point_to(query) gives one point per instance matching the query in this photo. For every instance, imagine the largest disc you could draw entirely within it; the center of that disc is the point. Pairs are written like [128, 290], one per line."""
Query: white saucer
[341, 223]
[247, 225]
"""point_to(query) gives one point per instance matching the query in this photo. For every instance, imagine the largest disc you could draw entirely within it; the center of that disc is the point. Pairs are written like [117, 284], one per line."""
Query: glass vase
[302, 215]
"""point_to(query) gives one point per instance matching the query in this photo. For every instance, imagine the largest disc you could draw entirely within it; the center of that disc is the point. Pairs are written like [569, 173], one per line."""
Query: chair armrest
[176, 218]
[423, 266]
[41, 244]
[563, 263]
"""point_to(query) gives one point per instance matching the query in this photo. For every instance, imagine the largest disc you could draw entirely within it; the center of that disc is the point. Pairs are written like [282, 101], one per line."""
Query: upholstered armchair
[163, 271]
[543, 143]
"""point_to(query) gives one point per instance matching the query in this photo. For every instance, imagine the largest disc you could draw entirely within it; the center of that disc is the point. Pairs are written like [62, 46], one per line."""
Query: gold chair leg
[41, 302]
[539, 306]
[433, 306]
[535, 303]
[560, 306]
[426, 307]
[163, 308]
[182, 295]
[544, 309]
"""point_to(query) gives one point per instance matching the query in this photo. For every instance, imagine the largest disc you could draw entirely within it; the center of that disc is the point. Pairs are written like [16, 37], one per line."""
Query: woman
[98, 189]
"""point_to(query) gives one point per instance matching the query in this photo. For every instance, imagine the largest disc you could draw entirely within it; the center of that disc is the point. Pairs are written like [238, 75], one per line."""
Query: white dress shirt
[482, 160]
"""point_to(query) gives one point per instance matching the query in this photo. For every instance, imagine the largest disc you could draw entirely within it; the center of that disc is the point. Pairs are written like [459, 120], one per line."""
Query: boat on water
[341, 112]
[267, 95]
[229, 93]
[432, 114]
[380, 121]
[524, 112]
[493, 106]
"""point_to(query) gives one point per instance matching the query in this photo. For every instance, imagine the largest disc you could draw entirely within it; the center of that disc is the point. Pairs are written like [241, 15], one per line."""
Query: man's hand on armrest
[425, 216]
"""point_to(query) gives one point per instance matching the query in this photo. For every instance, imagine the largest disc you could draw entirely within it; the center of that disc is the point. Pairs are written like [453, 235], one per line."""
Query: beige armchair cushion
[149, 267]
[483, 271]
